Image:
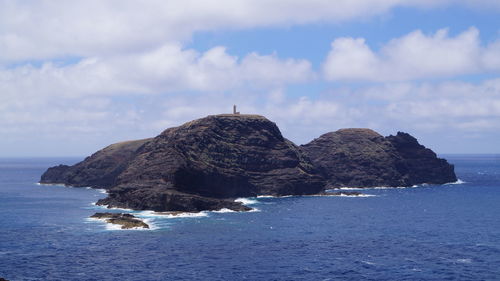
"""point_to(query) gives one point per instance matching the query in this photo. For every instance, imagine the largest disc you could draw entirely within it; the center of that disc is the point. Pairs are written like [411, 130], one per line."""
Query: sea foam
[167, 215]
[52, 184]
[360, 195]
[224, 210]
[459, 181]
[247, 201]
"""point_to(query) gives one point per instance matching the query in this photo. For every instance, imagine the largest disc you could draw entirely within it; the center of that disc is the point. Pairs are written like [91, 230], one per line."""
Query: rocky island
[126, 221]
[207, 163]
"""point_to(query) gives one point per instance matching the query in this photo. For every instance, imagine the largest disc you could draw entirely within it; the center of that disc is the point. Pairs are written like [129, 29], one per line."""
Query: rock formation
[206, 163]
[127, 221]
[202, 165]
[98, 170]
[364, 158]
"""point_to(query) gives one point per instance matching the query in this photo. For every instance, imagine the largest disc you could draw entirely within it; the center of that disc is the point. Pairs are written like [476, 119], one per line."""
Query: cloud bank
[45, 29]
[413, 56]
[87, 73]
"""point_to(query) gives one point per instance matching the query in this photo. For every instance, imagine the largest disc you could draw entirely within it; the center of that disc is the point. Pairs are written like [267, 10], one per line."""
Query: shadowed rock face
[364, 158]
[200, 165]
[224, 156]
[98, 170]
[421, 164]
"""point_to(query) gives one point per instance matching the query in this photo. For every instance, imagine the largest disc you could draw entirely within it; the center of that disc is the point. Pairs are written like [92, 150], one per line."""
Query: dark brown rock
[364, 158]
[206, 163]
[98, 170]
[157, 198]
[201, 165]
[420, 164]
[127, 221]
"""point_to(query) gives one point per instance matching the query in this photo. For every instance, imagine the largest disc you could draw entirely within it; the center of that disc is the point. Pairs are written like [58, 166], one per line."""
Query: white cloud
[413, 56]
[166, 69]
[450, 104]
[104, 97]
[54, 29]
[439, 110]
[129, 53]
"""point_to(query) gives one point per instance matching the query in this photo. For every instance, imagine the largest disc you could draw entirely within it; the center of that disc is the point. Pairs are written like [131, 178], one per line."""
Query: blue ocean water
[449, 232]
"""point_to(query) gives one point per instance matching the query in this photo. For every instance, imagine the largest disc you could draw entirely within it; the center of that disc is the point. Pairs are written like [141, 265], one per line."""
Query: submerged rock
[127, 221]
[364, 158]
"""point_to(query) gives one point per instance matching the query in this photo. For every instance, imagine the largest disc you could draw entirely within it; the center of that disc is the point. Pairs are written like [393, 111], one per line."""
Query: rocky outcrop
[420, 164]
[159, 198]
[206, 163]
[98, 170]
[202, 165]
[127, 221]
[364, 158]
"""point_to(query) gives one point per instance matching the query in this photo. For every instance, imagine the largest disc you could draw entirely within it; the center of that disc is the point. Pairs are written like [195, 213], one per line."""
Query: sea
[427, 232]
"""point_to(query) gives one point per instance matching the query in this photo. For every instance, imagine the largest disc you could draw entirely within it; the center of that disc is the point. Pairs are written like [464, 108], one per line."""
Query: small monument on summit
[234, 110]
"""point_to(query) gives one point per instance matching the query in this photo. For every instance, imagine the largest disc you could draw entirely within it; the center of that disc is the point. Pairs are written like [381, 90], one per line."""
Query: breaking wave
[459, 181]
[247, 201]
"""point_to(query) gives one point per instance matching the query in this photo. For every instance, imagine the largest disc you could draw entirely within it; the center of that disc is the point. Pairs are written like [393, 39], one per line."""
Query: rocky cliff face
[198, 166]
[420, 164]
[206, 163]
[98, 170]
[364, 158]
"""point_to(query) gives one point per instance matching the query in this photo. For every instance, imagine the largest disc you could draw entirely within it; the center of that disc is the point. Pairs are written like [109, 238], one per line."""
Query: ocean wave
[360, 195]
[347, 188]
[379, 187]
[459, 181]
[272, 196]
[115, 208]
[247, 201]
[71, 186]
[114, 227]
[224, 210]
[52, 184]
[152, 225]
[171, 215]
[341, 195]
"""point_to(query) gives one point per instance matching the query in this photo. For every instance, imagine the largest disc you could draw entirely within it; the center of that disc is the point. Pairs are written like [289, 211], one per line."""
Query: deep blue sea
[449, 232]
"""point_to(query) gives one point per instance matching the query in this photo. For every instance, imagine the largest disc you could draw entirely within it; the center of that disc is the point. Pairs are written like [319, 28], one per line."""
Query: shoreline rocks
[127, 221]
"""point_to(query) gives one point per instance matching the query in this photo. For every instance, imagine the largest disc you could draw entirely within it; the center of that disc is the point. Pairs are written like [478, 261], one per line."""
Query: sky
[76, 76]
